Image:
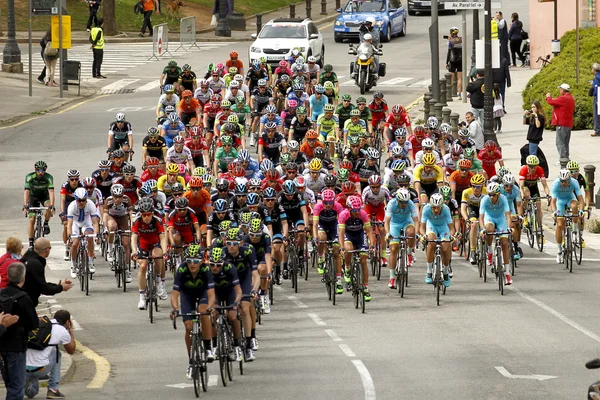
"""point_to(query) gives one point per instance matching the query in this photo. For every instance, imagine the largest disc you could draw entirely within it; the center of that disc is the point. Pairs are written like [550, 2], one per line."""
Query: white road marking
[278, 288]
[76, 326]
[181, 385]
[507, 374]
[394, 81]
[346, 349]
[367, 381]
[51, 301]
[212, 380]
[120, 84]
[347, 83]
[297, 302]
[334, 336]
[317, 319]
[421, 83]
[148, 86]
[554, 259]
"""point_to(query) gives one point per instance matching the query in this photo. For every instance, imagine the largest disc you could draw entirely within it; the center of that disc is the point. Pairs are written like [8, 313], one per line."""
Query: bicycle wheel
[569, 250]
[529, 230]
[294, 270]
[483, 261]
[539, 235]
[331, 287]
[86, 276]
[577, 246]
[271, 290]
[355, 284]
[222, 346]
[150, 295]
[195, 358]
[498, 269]
[79, 264]
[378, 258]
[361, 290]
[305, 263]
[513, 262]
[467, 243]
[123, 268]
[401, 276]
[243, 348]
[230, 349]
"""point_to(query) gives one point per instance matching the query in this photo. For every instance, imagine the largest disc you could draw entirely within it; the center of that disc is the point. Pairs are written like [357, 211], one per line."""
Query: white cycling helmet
[312, 59]
[402, 194]
[371, 20]
[428, 143]
[508, 179]
[436, 200]
[368, 36]
[493, 187]
[564, 174]
[80, 194]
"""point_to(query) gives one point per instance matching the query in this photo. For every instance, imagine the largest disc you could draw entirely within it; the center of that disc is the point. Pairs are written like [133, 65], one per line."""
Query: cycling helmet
[80, 194]
[312, 59]
[401, 132]
[199, 171]
[284, 78]
[266, 165]
[300, 182]
[445, 128]
[398, 165]
[229, 127]
[271, 125]
[207, 179]
[456, 150]
[254, 183]
[224, 226]
[120, 117]
[319, 89]
[169, 109]
[398, 109]
[464, 133]
[226, 140]
[490, 145]
[239, 78]
[232, 70]
[353, 141]
[328, 85]
[301, 111]
[272, 175]
[216, 256]
[493, 187]
[346, 97]
[432, 122]
[233, 119]
[477, 180]
[173, 169]
[292, 103]
[354, 203]
[373, 153]
[374, 180]
[378, 95]
[465, 164]
[103, 164]
[262, 83]
[328, 107]
[429, 159]
[220, 205]
[178, 140]
[502, 171]
[203, 83]
[270, 193]
[234, 84]
[288, 187]
[397, 151]
[181, 203]
[152, 183]
[282, 64]
[172, 64]
[169, 89]
[348, 187]
[315, 164]
[402, 195]
[436, 200]
[118, 154]
[152, 162]
[187, 93]
[219, 66]
[508, 179]
[173, 118]
[293, 145]
[240, 189]
[361, 100]
[252, 199]
[244, 155]
[355, 113]
[177, 188]
[225, 104]
[297, 67]
[239, 171]
[291, 166]
[428, 143]
[116, 190]
[89, 183]
[295, 53]
[270, 109]
[145, 205]
[233, 54]
[284, 159]
[196, 182]
[343, 175]
[368, 36]
[298, 87]
[346, 164]
[403, 179]
[469, 153]
[564, 174]
[532, 160]
[233, 234]
[328, 196]
[222, 185]
[571, 165]
[328, 67]
[215, 98]
[144, 191]
[446, 192]
[193, 251]
[73, 173]
[312, 134]
[256, 225]
[319, 153]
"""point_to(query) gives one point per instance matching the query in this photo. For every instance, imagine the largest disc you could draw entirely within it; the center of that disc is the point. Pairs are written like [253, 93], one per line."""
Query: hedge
[562, 70]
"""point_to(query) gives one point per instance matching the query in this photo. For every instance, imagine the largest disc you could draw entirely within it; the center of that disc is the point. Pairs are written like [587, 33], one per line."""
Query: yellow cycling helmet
[328, 108]
[429, 159]
[173, 169]
[532, 160]
[315, 164]
[477, 179]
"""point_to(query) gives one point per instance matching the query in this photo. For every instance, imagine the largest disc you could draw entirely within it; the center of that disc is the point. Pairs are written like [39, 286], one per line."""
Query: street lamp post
[11, 57]
[488, 99]
[435, 51]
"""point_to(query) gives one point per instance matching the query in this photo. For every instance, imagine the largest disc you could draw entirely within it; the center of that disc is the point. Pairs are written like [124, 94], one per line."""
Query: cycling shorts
[378, 211]
[332, 234]
[122, 221]
[187, 236]
[326, 137]
[85, 227]
[226, 295]
[534, 190]
[455, 67]
[358, 241]
[246, 284]
[38, 202]
[429, 189]
[440, 231]
[118, 143]
[189, 303]
[473, 212]
[561, 204]
[499, 223]
[398, 227]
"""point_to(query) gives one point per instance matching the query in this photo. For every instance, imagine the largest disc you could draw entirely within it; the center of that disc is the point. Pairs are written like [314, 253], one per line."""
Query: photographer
[46, 362]
[368, 26]
[536, 119]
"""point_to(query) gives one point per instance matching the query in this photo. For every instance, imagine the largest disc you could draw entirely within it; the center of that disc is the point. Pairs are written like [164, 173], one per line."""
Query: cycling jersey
[437, 223]
[392, 181]
[513, 197]
[460, 182]
[355, 129]
[224, 158]
[154, 148]
[241, 112]
[495, 212]
[531, 178]
[488, 161]
[272, 146]
[400, 217]
[300, 100]
[299, 128]
[430, 178]
[364, 171]
[120, 133]
[244, 261]
[416, 143]
[235, 63]
[199, 203]
[96, 197]
[164, 186]
[216, 85]
[328, 77]
[171, 76]
[316, 185]
[187, 80]
[327, 125]
[253, 76]
[39, 186]
[564, 194]
[421, 153]
[104, 184]
[261, 248]
[375, 203]
[193, 288]
[471, 199]
[203, 97]
[465, 144]
[189, 107]
[82, 217]
[117, 210]
[130, 188]
[394, 123]
[68, 191]
[292, 207]
[287, 116]
[354, 227]
[213, 222]
[175, 157]
[343, 113]
[147, 175]
[211, 111]
[277, 119]
[317, 105]
[168, 100]
[310, 151]
[278, 217]
[327, 219]
[332, 95]
[450, 164]
[378, 111]
[261, 99]
[184, 224]
[225, 281]
[172, 131]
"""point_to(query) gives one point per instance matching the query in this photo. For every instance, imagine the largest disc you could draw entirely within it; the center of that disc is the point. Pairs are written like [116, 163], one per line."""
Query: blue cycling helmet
[252, 199]
[319, 89]
[289, 187]
[270, 109]
[152, 183]
[145, 190]
[269, 193]
[240, 189]
[220, 205]
[80, 194]
[173, 118]
[244, 155]
[169, 89]
[256, 64]
[266, 165]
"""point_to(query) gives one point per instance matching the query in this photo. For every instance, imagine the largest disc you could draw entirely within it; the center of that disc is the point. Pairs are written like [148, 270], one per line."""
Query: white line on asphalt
[57, 306]
[148, 86]
[347, 83]
[507, 374]
[554, 258]
[367, 381]
[423, 83]
[334, 336]
[51, 301]
[317, 319]
[76, 326]
[278, 288]
[346, 349]
[212, 380]
[297, 302]
[393, 81]
[121, 83]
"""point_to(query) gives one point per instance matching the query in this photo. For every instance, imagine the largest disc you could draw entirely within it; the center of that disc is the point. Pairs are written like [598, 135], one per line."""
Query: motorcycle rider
[368, 41]
[368, 26]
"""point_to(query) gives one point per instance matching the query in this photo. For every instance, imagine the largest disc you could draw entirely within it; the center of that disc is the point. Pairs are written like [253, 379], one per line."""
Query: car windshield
[364, 6]
[283, 32]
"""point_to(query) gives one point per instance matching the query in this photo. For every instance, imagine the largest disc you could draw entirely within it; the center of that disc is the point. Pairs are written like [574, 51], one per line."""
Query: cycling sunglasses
[192, 260]
[232, 243]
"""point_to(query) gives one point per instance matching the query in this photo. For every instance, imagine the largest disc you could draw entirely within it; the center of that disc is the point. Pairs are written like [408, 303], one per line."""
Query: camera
[445, 36]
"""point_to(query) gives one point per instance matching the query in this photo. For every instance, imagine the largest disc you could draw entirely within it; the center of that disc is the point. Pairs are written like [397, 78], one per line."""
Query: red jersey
[149, 234]
[378, 111]
[234, 63]
[222, 116]
[394, 123]
[265, 184]
[198, 148]
[146, 175]
[184, 224]
[341, 199]
[130, 189]
[416, 143]
[529, 178]
[211, 111]
[488, 161]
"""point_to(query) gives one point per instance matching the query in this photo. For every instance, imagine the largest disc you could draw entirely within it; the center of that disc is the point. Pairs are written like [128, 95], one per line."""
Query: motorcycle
[364, 69]
[594, 389]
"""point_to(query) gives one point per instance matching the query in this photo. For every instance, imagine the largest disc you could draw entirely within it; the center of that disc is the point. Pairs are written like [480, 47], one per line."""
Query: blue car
[390, 19]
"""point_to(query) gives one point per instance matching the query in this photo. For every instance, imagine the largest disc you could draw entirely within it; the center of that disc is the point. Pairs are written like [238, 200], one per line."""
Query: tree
[110, 19]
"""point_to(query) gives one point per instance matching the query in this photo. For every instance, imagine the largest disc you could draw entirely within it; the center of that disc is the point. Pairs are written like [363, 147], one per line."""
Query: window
[365, 6]
[312, 29]
[283, 32]
[395, 4]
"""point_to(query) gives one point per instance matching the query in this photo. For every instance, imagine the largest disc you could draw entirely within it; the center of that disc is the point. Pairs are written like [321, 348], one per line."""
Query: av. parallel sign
[470, 5]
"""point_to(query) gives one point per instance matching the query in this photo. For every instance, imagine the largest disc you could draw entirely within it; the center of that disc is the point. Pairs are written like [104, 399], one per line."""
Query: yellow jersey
[428, 178]
[471, 199]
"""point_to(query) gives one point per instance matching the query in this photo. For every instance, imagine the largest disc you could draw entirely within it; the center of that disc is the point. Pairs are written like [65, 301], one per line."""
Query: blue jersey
[301, 100]
[514, 196]
[171, 132]
[400, 215]
[252, 171]
[494, 211]
[317, 106]
[557, 191]
[443, 219]
[277, 120]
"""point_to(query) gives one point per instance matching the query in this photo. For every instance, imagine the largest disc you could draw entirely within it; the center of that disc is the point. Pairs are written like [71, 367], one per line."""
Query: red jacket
[5, 261]
[564, 108]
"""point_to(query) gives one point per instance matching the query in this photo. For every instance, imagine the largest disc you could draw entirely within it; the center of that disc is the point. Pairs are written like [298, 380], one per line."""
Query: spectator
[97, 41]
[51, 55]
[454, 59]
[562, 118]
[94, 6]
[596, 98]
[515, 34]
[14, 246]
[536, 119]
[7, 320]
[42, 363]
[475, 88]
[502, 78]
[13, 344]
[475, 130]
[35, 264]
[149, 7]
[498, 109]
[42, 76]
[502, 36]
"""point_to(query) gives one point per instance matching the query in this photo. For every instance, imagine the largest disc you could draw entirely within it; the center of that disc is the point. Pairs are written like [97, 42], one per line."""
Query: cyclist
[104, 177]
[94, 193]
[354, 126]
[331, 93]
[392, 175]
[194, 288]
[216, 83]
[280, 228]
[401, 218]
[317, 102]
[170, 74]
[489, 155]
[255, 74]
[152, 170]
[189, 108]
[436, 223]
[454, 207]
[234, 61]
[167, 103]
[404, 147]
[470, 154]
[38, 192]
[224, 155]
[154, 145]
[176, 192]
[261, 241]
[220, 213]
[329, 76]
[171, 128]
[325, 227]
[353, 224]
[187, 79]
[566, 195]
[451, 159]
[66, 198]
[243, 259]
[529, 176]
[365, 113]
[494, 216]
[120, 134]
[342, 111]
[118, 213]
[296, 212]
[379, 110]
[328, 127]
[270, 115]
[469, 209]
[271, 144]
[261, 97]
[573, 167]
[179, 153]
[461, 178]
[375, 198]
[131, 183]
[428, 176]
[511, 191]
[464, 139]
[183, 227]
[166, 182]
[203, 94]
[398, 118]
[248, 163]
[197, 146]
[427, 146]
[368, 167]
[315, 178]
[118, 162]
[82, 218]
[296, 155]
[241, 109]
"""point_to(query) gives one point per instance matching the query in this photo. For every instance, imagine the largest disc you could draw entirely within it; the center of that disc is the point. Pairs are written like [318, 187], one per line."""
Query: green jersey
[38, 186]
[225, 158]
[476, 167]
[241, 113]
[327, 125]
[171, 76]
[331, 78]
[343, 113]
[365, 115]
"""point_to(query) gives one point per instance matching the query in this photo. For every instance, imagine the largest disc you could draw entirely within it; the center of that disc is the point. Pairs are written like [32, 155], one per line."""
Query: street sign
[66, 31]
[470, 5]
[45, 7]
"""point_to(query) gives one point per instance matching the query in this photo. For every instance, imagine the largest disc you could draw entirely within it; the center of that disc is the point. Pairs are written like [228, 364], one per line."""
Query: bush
[562, 70]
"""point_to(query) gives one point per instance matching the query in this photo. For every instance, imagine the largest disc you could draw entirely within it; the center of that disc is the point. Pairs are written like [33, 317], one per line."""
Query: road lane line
[19, 123]
[346, 349]
[102, 366]
[297, 302]
[317, 319]
[213, 380]
[334, 336]
[76, 326]
[367, 381]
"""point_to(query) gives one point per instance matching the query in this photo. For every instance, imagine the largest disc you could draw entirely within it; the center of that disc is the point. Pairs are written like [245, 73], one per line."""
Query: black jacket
[502, 74]
[534, 134]
[35, 278]
[475, 88]
[15, 337]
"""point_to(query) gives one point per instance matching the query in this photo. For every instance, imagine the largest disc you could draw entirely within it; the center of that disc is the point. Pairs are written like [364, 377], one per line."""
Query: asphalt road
[531, 343]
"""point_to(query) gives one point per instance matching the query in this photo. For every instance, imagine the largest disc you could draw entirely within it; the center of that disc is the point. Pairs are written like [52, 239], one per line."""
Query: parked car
[390, 18]
[415, 6]
[279, 37]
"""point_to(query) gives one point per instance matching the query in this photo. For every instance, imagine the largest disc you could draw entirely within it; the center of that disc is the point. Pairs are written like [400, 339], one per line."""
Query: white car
[279, 37]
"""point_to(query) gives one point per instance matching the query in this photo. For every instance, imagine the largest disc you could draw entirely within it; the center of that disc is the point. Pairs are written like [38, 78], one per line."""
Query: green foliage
[562, 70]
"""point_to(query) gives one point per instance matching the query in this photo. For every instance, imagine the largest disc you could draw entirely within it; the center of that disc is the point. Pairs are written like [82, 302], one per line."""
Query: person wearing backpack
[43, 355]
[13, 344]
[14, 246]
[7, 320]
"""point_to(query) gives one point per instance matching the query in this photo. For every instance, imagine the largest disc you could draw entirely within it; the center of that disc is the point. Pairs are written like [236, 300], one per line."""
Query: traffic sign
[470, 5]
[45, 7]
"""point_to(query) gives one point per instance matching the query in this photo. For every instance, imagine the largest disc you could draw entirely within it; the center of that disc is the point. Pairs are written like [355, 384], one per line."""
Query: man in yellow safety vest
[97, 40]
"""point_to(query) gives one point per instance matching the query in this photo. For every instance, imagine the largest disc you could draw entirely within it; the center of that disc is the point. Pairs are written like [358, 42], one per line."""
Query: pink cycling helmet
[354, 203]
[282, 64]
[292, 103]
[328, 195]
[182, 168]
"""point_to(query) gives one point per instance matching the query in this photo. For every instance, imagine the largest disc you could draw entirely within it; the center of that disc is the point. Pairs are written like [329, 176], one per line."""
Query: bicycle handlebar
[192, 314]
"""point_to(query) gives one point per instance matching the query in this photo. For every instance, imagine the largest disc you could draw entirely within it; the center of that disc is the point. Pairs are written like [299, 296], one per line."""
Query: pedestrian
[13, 344]
[502, 35]
[502, 78]
[149, 7]
[515, 35]
[14, 247]
[475, 130]
[536, 119]
[51, 56]
[498, 108]
[94, 5]
[42, 76]
[454, 59]
[97, 41]
[562, 118]
[6, 320]
[46, 363]
[476, 91]
[595, 93]
[35, 264]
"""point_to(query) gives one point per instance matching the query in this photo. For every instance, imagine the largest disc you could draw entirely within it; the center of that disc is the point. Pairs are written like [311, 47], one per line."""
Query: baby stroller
[540, 155]
[526, 53]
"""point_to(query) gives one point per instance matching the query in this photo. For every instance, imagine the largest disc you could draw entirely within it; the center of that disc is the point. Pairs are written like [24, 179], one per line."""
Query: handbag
[50, 51]
[524, 35]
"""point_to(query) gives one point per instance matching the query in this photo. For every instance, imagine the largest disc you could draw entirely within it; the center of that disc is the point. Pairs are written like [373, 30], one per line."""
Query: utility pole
[11, 55]
[488, 99]
[435, 51]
